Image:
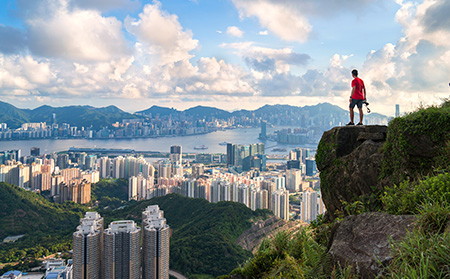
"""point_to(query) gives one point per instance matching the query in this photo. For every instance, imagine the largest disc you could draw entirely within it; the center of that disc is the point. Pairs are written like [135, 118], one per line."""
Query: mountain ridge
[89, 116]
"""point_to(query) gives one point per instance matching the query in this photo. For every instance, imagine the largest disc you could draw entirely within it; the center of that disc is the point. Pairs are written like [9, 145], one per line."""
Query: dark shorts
[356, 102]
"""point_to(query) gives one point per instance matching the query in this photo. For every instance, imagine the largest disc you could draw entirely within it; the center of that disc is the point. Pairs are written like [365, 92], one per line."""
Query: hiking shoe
[359, 123]
[350, 123]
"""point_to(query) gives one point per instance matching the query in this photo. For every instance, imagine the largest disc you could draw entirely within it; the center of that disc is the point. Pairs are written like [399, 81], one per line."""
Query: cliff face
[349, 159]
[381, 167]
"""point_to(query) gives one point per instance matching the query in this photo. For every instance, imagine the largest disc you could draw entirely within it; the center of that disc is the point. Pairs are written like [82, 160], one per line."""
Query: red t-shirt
[359, 84]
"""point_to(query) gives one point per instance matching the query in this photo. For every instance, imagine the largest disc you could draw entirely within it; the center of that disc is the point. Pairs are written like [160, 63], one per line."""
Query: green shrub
[434, 218]
[291, 255]
[427, 126]
[407, 197]
[424, 252]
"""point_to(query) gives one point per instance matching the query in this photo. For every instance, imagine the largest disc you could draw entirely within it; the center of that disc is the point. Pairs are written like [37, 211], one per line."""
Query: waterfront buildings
[176, 154]
[245, 157]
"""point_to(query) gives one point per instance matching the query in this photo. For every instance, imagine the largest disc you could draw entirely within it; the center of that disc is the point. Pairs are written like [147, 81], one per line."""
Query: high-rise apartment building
[280, 203]
[175, 153]
[77, 190]
[155, 244]
[293, 180]
[309, 205]
[88, 247]
[122, 251]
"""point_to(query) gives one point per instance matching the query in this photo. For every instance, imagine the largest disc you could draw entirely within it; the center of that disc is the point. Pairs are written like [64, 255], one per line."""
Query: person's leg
[361, 115]
[352, 115]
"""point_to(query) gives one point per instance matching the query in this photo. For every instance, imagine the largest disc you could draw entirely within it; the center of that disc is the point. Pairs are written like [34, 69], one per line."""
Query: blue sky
[232, 54]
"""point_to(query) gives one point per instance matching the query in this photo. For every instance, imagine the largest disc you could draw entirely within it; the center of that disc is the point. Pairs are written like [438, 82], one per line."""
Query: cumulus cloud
[290, 19]
[268, 59]
[287, 23]
[24, 73]
[235, 31]
[162, 34]
[437, 17]
[416, 68]
[78, 35]
[334, 81]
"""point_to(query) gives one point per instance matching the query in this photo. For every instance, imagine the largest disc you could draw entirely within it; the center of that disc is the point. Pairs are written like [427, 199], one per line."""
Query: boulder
[349, 159]
[363, 241]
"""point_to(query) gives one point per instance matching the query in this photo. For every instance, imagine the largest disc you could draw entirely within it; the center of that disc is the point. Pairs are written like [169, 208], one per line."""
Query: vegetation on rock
[409, 196]
[417, 144]
[289, 255]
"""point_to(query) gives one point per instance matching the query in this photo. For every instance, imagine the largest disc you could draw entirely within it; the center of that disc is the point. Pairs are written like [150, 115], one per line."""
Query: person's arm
[353, 92]
[365, 92]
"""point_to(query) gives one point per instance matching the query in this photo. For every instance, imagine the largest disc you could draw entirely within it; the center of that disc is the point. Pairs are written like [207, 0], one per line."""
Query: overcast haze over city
[231, 54]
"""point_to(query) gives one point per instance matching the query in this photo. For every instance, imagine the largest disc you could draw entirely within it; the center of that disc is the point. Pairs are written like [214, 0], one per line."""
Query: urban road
[176, 274]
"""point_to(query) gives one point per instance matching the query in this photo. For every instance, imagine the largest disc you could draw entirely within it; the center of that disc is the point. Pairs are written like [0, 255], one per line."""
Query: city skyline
[248, 54]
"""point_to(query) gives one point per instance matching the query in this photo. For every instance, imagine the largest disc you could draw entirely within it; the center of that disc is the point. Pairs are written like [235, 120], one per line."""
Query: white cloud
[416, 69]
[287, 23]
[162, 34]
[77, 35]
[23, 73]
[235, 31]
[263, 59]
[264, 33]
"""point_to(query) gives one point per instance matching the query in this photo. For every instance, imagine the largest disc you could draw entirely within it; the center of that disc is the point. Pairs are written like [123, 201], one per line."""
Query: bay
[161, 144]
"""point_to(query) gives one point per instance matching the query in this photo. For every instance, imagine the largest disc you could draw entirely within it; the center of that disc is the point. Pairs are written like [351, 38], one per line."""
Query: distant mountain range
[97, 118]
[79, 116]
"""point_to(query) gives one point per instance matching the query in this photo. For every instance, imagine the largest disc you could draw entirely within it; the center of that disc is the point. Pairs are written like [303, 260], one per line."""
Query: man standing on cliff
[357, 97]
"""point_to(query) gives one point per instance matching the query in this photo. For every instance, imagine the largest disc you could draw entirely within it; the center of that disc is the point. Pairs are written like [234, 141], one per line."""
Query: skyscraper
[397, 110]
[155, 244]
[35, 151]
[88, 247]
[230, 155]
[122, 251]
[175, 154]
[263, 134]
[311, 167]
